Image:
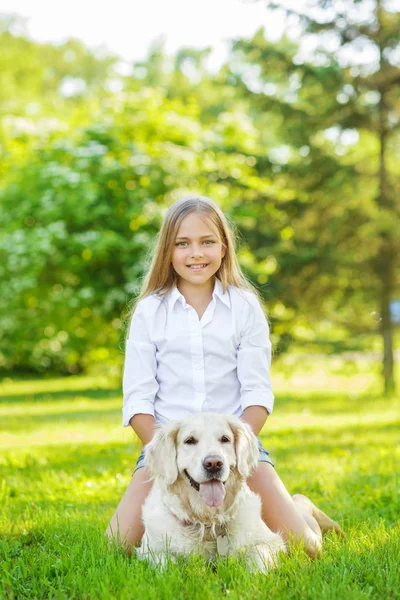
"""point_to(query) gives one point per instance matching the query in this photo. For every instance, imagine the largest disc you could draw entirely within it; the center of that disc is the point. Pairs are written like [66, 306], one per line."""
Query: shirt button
[199, 366]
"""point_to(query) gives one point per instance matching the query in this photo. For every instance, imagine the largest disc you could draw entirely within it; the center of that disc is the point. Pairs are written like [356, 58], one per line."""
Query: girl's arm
[256, 417]
[140, 383]
[144, 427]
[253, 364]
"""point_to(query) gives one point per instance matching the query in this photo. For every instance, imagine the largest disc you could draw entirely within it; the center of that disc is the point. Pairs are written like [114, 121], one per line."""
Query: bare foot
[325, 522]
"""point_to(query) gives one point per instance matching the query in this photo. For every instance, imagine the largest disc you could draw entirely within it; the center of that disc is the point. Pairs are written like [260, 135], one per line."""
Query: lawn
[65, 461]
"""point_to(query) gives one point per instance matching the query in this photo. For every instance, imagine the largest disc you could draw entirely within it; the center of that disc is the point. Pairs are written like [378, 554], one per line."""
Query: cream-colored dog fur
[200, 502]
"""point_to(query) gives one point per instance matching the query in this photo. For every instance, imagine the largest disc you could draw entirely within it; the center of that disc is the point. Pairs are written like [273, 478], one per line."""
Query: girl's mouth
[197, 267]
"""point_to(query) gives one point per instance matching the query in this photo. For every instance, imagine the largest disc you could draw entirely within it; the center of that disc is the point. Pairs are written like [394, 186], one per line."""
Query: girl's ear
[246, 447]
[223, 250]
[160, 454]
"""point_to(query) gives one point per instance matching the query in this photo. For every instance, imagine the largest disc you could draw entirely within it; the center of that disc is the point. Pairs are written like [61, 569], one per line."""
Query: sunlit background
[130, 28]
[287, 116]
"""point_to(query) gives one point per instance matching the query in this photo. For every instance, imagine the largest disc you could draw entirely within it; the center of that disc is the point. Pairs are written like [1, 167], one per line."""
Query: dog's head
[203, 450]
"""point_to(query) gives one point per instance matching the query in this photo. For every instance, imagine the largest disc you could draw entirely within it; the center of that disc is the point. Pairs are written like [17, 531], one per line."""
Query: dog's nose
[213, 463]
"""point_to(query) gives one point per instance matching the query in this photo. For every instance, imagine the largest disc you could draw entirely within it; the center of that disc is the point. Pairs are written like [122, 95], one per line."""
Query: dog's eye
[225, 439]
[190, 440]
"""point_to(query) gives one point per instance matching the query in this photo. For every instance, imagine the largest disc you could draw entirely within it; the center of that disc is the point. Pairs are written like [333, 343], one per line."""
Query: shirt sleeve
[254, 357]
[139, 380]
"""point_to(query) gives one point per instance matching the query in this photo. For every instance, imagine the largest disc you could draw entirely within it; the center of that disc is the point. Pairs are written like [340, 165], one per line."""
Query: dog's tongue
[212, 492]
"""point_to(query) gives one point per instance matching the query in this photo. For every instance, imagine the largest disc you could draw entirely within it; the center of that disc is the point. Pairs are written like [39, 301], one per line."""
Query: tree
[341, 112]
[44, 89]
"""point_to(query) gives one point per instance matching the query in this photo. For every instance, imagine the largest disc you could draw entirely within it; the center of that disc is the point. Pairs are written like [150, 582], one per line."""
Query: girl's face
[198, 250]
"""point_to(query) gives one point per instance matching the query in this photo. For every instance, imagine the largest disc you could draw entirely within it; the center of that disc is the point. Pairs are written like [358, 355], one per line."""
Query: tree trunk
[386, 322]
[385, 261]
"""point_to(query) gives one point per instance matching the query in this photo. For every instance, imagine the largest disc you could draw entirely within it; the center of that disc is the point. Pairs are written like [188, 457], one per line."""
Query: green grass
[65, 462]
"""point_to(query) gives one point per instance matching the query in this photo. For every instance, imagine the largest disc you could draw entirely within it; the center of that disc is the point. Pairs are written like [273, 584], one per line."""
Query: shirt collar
[219, 291]
[175, 295]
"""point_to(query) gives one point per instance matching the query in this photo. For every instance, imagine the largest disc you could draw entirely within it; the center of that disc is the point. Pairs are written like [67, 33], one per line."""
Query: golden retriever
[200, 502]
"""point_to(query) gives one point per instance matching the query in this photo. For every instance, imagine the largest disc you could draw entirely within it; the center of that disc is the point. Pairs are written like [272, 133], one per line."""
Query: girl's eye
[190, 440]
[183, 244]
[225, 439]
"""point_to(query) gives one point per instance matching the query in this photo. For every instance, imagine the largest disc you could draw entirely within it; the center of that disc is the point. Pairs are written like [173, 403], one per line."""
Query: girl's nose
[196, 253]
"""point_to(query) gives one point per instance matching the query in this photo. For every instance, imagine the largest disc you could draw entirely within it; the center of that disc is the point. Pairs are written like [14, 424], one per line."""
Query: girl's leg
[295, 518]
[126, 523]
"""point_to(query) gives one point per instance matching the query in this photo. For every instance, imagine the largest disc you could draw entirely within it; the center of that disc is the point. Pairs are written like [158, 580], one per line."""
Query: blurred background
[287, 114]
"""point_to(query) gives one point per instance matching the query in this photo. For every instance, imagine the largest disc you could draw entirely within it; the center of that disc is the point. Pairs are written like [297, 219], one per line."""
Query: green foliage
[68, 245]
[287, 144]
[80, 215]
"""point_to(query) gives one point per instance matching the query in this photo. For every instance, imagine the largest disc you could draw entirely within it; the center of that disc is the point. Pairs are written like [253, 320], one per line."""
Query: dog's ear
[246, 446]
[160, 455]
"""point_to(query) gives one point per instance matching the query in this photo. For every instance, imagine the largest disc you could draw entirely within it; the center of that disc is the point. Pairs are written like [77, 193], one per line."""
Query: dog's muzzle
[212, 491]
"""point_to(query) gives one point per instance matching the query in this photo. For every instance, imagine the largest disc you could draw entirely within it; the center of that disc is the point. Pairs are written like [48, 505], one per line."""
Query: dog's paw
[264, 557]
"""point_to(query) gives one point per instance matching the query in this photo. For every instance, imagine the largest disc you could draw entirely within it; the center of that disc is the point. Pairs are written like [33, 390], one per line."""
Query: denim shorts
[264, 456]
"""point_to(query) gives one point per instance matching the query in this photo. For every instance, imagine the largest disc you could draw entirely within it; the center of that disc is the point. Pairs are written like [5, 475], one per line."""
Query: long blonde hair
[161, 276]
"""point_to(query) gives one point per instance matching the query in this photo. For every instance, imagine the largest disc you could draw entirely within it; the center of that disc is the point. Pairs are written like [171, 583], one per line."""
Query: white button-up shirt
[177, 364]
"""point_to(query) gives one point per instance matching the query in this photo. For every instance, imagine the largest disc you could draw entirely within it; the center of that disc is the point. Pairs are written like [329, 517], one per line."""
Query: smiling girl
[199, 342]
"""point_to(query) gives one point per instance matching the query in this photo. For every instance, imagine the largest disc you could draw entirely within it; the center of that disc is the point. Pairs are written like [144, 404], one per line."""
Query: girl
[199, 341]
